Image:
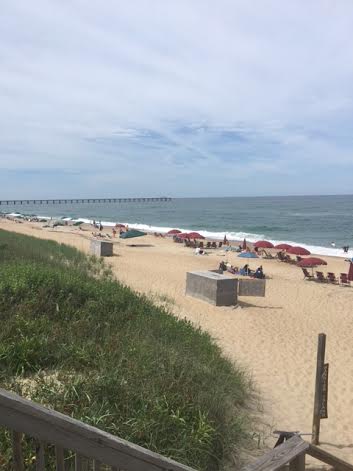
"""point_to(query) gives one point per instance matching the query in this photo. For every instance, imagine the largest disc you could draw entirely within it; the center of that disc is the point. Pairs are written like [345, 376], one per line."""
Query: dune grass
[74, 339]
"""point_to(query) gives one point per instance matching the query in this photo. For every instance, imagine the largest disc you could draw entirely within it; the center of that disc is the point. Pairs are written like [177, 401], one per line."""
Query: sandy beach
[274, 338]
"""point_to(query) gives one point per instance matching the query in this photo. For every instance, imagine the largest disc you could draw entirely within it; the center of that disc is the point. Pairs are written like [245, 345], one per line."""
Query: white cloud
[84, 85]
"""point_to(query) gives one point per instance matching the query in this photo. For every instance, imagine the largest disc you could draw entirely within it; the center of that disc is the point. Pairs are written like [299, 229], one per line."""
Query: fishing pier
[85, 200]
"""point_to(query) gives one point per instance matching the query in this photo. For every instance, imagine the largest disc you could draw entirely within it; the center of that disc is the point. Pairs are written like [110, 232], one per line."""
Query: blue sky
[179, 98]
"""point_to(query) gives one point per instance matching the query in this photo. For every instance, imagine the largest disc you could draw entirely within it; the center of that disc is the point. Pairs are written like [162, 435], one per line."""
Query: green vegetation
[74, 339]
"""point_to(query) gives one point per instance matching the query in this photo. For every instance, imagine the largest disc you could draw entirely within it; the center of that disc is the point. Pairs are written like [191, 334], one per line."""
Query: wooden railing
[292, 453]
[92, 447]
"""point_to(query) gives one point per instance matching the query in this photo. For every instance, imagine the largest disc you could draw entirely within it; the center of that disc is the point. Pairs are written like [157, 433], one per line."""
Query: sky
[175, 98]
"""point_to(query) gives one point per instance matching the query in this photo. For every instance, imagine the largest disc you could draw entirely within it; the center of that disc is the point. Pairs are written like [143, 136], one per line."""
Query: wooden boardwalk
[84, 200]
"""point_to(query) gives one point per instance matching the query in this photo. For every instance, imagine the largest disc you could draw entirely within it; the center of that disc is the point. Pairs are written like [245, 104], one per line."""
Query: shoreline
[236, 238]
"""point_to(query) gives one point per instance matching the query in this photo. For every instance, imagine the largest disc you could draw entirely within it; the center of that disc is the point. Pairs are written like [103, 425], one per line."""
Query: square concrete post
[212, 287]
[101, 248]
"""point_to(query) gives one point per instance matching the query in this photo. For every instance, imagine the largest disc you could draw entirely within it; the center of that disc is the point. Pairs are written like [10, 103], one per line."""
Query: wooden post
[318, 388]
[59, 453]
[40, 457]
[298, 464]
[17, 451]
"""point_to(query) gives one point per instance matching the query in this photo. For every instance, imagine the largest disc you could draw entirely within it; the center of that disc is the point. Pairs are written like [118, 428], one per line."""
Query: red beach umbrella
[350, 272]
[283, 246]
[184, 235]
[120, 225]
[173, 232]
[298, 251]
[311, 262]
[244, 244]
[263, 244]
[195, 235]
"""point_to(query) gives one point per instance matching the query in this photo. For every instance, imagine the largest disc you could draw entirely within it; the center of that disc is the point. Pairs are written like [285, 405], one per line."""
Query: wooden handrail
[293, 451]
[34, 420]
[279, 456]
[328, 458]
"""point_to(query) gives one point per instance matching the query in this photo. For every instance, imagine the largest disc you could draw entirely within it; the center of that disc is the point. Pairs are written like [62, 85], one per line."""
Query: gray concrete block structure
[252, 287]
[101, 248]
[212, 287]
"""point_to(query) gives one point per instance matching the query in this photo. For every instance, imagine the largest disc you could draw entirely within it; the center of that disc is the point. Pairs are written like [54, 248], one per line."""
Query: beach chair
[320, 277]
[331, 278]
[307, 275]
[344, 279]
[201, 244]
[214, 245]
[208, 246]
[220, 244]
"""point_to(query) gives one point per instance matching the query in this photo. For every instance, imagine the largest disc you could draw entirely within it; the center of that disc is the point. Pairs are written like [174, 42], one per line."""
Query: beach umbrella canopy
[184, 235]
[263, 244]
[311, 262]
[132, 233]
[248, 255]
[244, 244]
[350, 272]
[195, 235]
[173, 232]
[283, 246]
[298, 251]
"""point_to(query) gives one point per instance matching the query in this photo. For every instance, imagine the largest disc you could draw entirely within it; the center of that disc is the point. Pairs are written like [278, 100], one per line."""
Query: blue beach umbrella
[132, 233]
[248, 255]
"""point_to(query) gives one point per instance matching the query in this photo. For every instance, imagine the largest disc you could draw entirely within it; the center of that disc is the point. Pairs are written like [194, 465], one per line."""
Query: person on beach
[259, 273]
[345, 248]
[333, 244]
[222, 266]
[245, 270]
[100, 227]
[225, 240]
[114, 231]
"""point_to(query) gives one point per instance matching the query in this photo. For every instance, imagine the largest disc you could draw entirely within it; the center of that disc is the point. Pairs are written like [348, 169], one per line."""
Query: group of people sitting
[245, 271]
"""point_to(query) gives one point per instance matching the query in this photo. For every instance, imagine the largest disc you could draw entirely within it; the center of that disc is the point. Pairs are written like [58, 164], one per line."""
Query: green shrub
[74, 339]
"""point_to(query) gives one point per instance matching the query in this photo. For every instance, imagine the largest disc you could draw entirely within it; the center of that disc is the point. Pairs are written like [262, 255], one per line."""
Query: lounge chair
[220, 243]
[214, 245]
[331, 278]
[307, 275]
[208, 246]
[320, 277]
[344, 279]
[201, 245]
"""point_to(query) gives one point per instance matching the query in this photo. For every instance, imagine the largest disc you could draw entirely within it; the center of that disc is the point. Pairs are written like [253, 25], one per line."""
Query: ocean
[311, 221]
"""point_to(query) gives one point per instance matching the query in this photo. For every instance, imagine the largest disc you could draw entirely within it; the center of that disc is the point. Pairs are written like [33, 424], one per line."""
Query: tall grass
[74, 339]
